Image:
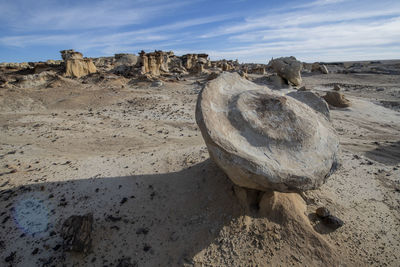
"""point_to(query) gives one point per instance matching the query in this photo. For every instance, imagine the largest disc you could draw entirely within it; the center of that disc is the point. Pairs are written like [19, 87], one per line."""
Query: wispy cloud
[51, 15]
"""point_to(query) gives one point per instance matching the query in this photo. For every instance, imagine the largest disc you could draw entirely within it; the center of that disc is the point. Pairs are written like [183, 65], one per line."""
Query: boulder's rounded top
[262, 139]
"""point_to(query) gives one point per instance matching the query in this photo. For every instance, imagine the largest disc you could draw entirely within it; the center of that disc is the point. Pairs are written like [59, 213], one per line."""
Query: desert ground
[130, 152]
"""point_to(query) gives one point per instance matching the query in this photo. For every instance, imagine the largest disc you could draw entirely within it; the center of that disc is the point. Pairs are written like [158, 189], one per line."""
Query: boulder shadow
[148, 220]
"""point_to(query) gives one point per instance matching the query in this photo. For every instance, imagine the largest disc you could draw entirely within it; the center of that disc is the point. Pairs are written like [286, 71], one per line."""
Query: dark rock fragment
[322, 212]
[332, 222]
[77, 233]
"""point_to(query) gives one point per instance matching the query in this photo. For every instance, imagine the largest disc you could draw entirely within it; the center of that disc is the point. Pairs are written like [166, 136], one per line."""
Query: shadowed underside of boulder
[263, 140]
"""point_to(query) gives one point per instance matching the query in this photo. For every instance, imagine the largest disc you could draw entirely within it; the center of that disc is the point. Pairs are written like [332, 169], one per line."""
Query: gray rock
[336, 87]
[157, 83]
[263, 140]
[313, 101]
[316, 67]
[288, 68]
[324, 69]
[277, 82]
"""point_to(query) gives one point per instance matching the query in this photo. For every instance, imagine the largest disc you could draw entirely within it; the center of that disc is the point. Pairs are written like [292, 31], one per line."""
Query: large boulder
[288, 68]
[263, 140]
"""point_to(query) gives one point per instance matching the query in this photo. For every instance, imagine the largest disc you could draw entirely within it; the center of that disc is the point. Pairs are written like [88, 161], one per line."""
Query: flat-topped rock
[263, 140]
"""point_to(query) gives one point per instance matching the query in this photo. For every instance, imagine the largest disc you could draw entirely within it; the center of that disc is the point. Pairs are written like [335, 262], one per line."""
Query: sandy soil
[132, 155]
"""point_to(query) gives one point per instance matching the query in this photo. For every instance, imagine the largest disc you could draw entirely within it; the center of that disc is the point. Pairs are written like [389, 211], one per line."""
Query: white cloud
[317, 30]
[48, 15]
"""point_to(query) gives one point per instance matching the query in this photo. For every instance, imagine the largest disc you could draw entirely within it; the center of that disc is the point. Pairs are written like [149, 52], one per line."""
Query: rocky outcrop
[34, 80]
[336, 99]
[17, 66]
[288, 68]
[258, 70]
[195, 63]
[75, 65]
[263, 140]
[154, 63]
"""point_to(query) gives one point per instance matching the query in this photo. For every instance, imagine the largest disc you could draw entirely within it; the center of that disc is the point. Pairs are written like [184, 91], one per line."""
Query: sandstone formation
[258, 70]
[336, 99]
[75, 65]
[288, 68]
[195, 63]
[263, 140]
[154, 63]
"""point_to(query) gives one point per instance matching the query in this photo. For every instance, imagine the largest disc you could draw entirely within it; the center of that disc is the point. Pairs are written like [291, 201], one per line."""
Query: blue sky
[251, 31]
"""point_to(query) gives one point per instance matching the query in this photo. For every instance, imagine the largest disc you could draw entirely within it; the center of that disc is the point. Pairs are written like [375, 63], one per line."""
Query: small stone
[11, 257]
[146, 248]
[322, 212]
[123, 200]
[157, 83]
[332, 222]
[144, 231]
[336, 87]
[113, 219]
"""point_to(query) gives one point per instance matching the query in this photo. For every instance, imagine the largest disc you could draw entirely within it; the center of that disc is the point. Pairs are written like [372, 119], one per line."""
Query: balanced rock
[336, 99]
[263, 140]
[288, 68]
